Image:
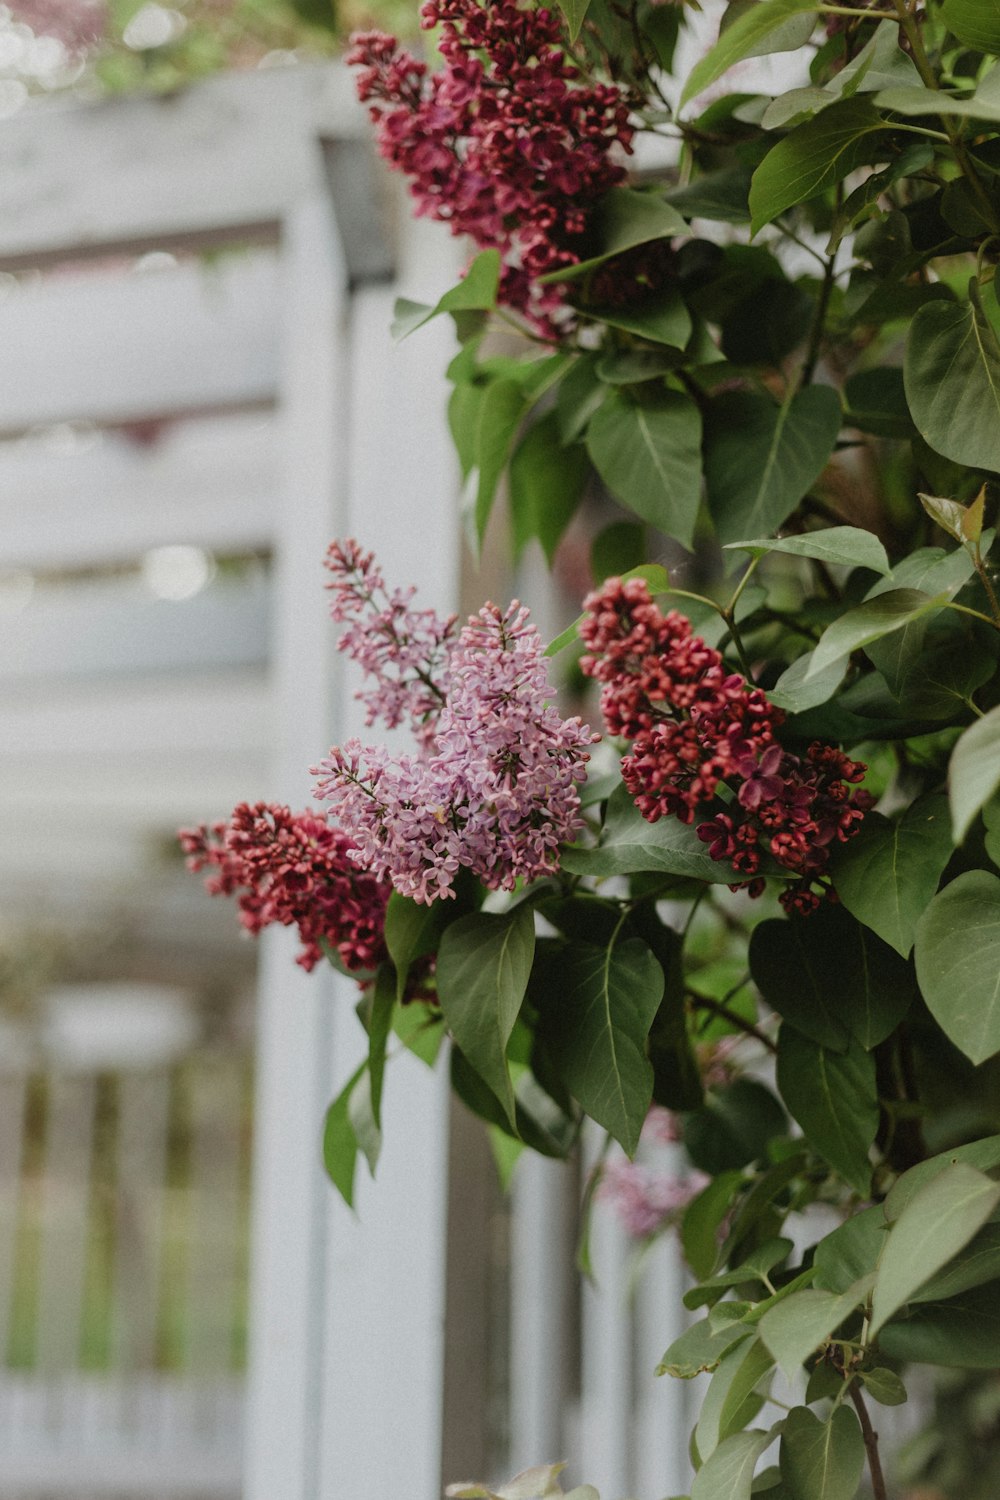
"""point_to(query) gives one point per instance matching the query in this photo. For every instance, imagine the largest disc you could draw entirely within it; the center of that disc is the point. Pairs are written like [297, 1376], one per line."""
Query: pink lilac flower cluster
[695, 726]
[646, 1198]
[401, 649]
[295, 869]
[78, 24]
[495, 787]
[507, 143]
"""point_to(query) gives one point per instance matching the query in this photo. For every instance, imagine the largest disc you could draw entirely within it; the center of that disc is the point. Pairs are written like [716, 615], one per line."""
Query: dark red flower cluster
[696, 726]
[507, 142]
[296, 869]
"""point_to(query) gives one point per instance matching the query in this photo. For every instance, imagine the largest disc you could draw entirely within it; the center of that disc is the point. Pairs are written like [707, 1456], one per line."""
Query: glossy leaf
[888, 872]
[482, 971]
[761, 458]
[870, 621]
[629, 844]
[952, 373]
[837, 546]
[411, 930]
[974, 771]
[649, 456]
[833, 1097]
[595, 1031]
[815, 155]
[750, 31]
[822, 1460]
[957, 953]
[797, 1327]
[935, 1225]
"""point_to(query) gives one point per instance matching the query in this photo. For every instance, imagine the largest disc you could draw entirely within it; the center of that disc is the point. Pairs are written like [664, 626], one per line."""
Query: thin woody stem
[871, 1443]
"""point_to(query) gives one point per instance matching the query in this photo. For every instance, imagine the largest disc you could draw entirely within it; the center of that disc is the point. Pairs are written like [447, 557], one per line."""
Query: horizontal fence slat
[211, 483]
[226, 155]
[120, 347]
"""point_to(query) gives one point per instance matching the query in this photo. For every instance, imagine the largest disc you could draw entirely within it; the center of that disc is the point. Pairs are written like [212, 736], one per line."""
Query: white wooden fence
[292, 419]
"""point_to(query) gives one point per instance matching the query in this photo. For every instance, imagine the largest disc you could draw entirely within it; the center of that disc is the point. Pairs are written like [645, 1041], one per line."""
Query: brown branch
[705, 1002]
[871, 1443]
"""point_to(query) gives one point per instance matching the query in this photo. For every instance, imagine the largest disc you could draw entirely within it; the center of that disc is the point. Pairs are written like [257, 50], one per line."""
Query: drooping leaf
[935, 1225]
[476, 291]
[379, 1027]
[701, 1347]
[795, 1328]
[649, 456]
[340, 1144]
[483, 965]
[734, 1126]
[595, 1027]
[761, 458]
[663, 319]
[702, 1219]
[411, 930]
[756, 1267]
[498, 417]
[752, 29]
[834, 1098]
[974, 771]
[952, 374]
[822, 1460]
[957, 952]
[888, 872]
[629, 844]
[546, 482]
[362, 1121]
[870, 621]
[838, 546]
[815, 155]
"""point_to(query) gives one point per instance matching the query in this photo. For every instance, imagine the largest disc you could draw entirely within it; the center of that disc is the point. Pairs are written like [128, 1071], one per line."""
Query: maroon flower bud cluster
[294, 868]
[695, 726]
[507, 143]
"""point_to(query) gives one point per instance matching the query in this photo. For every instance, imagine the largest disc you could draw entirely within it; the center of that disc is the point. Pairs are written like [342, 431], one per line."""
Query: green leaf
[663, 318]
[476, 291]
[649, 456]
[838, 546]
[963, 1332]
[983, 1154]
[702, 1220]
[701, 1347]
[869, 622]
[977, 1264]
[950, 515]
[629, 844]
[411, 930]
[738, 1374]
[851, 1250]
[884, 1386]
[822, 1460]
[974, 771]
[958, 962]
[796, 689]
[756, 1267]
[815, 155]
[834, 1098]
[498, 418]
[952, 374]
[596, 1032]
[876, 403]
[379, 1026]
[797, 1327]
[974, 22]
[830, 977]
[483, 965]
[734, 1126]
[935, 1225]
[575, 12]
[546, 481]
[761, 458]
[728, 1474]
[624, 217]
[741, 39]
[362, 1121]
[888, 872]
[340, 1144]
[580, 394]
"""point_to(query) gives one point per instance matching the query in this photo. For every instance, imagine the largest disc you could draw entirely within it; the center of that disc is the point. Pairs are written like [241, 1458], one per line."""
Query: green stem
[819, 319]
[977, 614]
[730, 609]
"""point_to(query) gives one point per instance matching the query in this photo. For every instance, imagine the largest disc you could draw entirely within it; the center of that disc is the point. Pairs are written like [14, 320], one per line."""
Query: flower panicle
[695, 726]
[295, 869]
